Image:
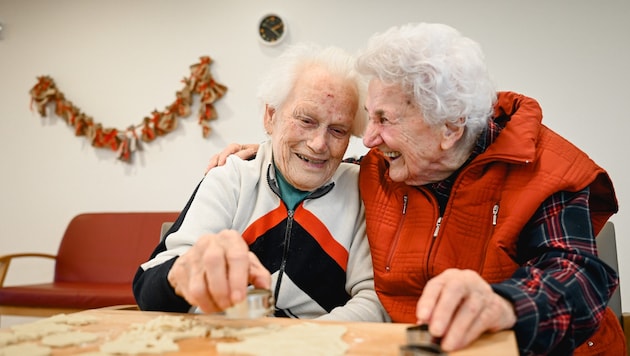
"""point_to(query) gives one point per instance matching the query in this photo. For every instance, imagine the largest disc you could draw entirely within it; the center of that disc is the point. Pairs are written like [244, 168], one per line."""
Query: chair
[97, 259]
[165, 227]
[607, 249]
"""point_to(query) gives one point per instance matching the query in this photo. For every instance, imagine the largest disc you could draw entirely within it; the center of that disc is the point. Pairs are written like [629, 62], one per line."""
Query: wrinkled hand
[458, 305]
[215, 272]
[243, 151]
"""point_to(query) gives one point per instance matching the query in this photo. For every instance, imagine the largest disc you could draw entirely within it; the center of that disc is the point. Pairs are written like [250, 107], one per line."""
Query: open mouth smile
[313, 161]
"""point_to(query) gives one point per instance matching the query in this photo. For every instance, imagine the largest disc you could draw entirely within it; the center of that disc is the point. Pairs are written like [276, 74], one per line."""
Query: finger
[215, 273]
[238, 265]
[212, 163]
[199, 295]
[259, 276]
[447, 291]
[188, 282]
[466, 324]
[428, 300]
[232, 148]
[247, 151]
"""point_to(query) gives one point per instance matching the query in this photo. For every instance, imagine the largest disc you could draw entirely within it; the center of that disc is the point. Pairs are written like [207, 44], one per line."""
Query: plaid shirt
[561, 290]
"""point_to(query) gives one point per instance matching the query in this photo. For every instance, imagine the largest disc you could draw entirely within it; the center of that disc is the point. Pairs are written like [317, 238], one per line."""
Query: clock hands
[274, 29]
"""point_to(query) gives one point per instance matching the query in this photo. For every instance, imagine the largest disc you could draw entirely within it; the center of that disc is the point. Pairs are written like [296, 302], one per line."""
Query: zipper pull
[405, 200]
[495, 212]
[437, 226]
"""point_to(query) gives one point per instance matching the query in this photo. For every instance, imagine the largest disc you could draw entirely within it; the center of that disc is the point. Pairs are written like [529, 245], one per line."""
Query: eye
[338, 132]
[305, 120]
[380, 119]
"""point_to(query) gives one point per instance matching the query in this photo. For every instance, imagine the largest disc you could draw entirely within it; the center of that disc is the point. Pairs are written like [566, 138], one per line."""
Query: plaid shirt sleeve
[562, 288]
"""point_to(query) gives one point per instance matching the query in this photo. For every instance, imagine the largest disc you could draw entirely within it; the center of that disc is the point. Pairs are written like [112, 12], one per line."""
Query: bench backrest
[108, 247]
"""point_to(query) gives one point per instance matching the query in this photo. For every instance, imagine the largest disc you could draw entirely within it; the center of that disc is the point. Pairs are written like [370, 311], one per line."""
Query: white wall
[118, 60]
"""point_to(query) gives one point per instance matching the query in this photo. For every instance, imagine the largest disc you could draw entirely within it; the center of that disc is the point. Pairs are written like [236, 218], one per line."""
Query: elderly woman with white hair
[480, 218]
[290, 220]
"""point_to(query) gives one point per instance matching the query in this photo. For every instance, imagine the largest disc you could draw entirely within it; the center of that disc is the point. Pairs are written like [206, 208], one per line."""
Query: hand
[243, 151]
[459, 305]
[214, 273]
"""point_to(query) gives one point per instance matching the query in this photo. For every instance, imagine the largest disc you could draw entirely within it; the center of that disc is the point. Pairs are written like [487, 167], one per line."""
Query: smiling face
[417, 152]
[310, 132]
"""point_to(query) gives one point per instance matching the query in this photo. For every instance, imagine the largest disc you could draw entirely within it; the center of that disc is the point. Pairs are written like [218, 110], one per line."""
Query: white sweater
[318, 254]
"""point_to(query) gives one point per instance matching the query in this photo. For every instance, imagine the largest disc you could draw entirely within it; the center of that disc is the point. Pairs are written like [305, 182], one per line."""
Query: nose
[319, 141]
[371, 136]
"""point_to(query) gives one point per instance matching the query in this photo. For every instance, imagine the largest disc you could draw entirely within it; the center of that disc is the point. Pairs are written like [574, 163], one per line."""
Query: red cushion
[67, 295]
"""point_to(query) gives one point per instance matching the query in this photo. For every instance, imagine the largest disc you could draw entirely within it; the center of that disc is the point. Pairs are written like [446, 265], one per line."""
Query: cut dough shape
[302, 339]
[137, 343]
[70, 338]
[157, 335]
[27, 348]
[8, 339]
[242, 333]
[38, 329]
[72, 319]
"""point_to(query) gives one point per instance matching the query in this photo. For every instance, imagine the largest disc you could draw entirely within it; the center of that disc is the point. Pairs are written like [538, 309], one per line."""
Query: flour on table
[27, 348]
[70, 338]
[301, 339]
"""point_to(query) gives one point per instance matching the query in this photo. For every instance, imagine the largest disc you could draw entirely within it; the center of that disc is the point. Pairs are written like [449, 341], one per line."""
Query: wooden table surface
[362, 338]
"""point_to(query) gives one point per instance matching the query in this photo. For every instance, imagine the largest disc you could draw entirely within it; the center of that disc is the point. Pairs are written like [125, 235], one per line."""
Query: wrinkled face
[397, 127]
[311, 131]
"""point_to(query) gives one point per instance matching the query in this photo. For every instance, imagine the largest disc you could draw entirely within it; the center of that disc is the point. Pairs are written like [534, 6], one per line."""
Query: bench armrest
[5, 261]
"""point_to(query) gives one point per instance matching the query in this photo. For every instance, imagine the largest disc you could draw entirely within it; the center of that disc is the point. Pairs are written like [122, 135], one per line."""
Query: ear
[451, 133]
[268, 120]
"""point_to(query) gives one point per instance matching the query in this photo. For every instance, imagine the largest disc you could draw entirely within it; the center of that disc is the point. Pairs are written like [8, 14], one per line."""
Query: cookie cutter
[421, 343]
[257, 304]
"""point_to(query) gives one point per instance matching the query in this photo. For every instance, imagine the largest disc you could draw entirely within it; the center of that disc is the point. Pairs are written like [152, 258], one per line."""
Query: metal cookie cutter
[421, 343]
[257, 304]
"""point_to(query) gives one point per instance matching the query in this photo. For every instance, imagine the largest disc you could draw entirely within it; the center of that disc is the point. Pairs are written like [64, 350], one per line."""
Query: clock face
[271, 29]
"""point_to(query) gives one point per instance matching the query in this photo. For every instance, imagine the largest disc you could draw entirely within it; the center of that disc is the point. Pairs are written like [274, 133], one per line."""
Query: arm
[364, 304]
[150, 285]
[246, 152]
[201, 263]
[561, 278]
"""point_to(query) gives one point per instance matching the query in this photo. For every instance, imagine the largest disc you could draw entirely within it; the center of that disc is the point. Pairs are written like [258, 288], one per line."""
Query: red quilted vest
[524, 166]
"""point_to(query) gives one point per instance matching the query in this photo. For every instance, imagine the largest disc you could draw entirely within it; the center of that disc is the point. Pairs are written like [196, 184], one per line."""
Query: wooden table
[362, 338]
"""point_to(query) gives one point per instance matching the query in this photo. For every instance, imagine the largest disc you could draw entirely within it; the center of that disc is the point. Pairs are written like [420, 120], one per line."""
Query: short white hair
[279, 81]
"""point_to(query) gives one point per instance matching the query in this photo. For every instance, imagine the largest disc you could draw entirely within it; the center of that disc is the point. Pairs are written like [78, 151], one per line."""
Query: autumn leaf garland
[126, 141]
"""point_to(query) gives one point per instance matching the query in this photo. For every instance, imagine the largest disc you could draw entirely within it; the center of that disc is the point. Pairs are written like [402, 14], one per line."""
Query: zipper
[495, 217]
[397, 237]
[437, 227]
[285, 253]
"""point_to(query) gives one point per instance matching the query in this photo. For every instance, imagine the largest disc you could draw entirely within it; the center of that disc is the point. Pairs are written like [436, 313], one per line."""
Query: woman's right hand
[215, 272]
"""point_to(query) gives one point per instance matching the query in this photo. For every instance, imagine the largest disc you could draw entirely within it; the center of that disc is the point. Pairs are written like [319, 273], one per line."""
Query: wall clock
[271, 29]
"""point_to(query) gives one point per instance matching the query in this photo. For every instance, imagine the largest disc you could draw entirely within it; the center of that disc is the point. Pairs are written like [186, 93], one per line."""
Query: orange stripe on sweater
[264, 224]
[321, 234]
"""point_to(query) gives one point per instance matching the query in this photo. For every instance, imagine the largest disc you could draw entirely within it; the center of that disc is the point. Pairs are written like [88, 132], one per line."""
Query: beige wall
[119, 60]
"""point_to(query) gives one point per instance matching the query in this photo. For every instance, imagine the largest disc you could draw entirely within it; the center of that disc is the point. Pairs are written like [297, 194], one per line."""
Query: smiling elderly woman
[290, 220]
